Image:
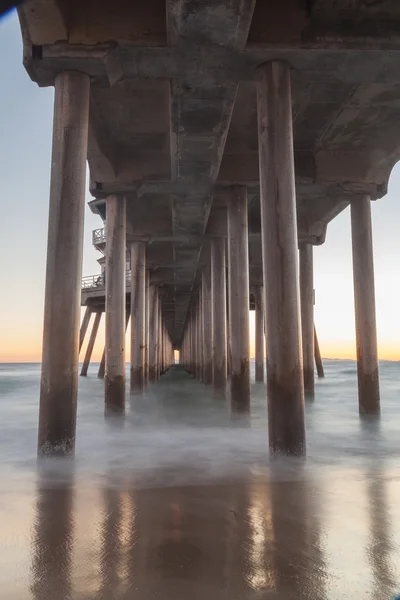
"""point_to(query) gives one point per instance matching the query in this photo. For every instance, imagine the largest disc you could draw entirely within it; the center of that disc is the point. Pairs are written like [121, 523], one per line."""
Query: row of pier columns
[151, 347]
[216, 337]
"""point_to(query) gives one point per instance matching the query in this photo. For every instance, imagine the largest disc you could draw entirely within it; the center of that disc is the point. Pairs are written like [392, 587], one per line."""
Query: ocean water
[177, 500]
[177, 426]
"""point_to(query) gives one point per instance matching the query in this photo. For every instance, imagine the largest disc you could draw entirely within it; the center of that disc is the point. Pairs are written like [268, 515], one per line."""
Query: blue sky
[25, 151]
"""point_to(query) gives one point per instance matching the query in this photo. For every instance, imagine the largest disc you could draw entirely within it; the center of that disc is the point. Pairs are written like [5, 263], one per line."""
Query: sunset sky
[25, 152]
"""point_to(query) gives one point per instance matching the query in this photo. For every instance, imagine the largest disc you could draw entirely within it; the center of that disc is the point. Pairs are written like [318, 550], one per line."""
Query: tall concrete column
[307, 315]
[153, 300]
[92, 340]
[162, 350]
[259, 337]
[239, 301]
[364, 303]
[194, 343]
[159, 339]
[146, 329]
[84, 326]
[115, 303]
[207, 329]
[280, 260]
[201, 352]
[138, 297]
[228, 328]
[60, 354]
[218, 295]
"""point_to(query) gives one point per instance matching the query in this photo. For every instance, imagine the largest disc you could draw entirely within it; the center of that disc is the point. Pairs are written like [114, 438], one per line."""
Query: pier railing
[98, 282]
[99, 236]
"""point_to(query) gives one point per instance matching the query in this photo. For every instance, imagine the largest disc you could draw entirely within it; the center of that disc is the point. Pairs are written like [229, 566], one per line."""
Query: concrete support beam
[115, 303]
[60, 355]
[307, 315]
[92, 340]
[239, 300]
[153, 301]
[159, 339]
[364, 303]
[280, 260]
[218, 294]
[84, 326]
[138, 325]
[206, 342]
[259, 332]
[102, 366]
[317, 354]
[195, 341]
[147, 328]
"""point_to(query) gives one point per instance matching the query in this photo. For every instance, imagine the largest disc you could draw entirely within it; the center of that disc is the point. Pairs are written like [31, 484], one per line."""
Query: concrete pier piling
[159, 338]
[153, 338]
[201, 336]
[364, 304]
[259, 332]
[60, 354]
[115, 303]
[147, 328]
[239, 300]
[138, 317]
[307, 316]
[197, 363]
[279, 248]
[207, 326]
[317, 354]
[84, 326]
[218, 295]
[90, 347]
[102, 366]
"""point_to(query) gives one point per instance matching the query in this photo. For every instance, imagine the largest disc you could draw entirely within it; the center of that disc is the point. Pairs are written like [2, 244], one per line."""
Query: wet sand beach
[175, 501]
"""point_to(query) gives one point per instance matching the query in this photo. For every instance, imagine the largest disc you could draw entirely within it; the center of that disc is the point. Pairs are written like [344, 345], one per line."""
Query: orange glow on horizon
[17, 352]
[24, 345]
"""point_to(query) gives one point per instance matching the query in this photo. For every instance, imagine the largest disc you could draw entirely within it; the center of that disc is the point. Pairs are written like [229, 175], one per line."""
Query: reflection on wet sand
[52, 543]
[255, 539]
[381, 548]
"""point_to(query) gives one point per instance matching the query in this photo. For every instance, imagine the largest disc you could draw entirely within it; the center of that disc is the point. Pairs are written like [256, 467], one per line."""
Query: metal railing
[98, 282]
[93, 281]
[99, 236]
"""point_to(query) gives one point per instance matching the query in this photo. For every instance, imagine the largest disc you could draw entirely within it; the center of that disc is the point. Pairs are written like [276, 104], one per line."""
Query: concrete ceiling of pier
[173, 109]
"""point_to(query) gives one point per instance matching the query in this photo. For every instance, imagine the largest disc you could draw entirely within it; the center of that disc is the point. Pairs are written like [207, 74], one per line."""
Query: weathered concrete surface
[147, 328]
[364, 304]
[91, 343]
[259, 332]
[218, 297]
[115, 304]
[307, 315]
[138, 325]
[153, 332]
[239, 301]
[206, 341]
[318, 359]
[279, 241]
[60, 354]
[84, 326]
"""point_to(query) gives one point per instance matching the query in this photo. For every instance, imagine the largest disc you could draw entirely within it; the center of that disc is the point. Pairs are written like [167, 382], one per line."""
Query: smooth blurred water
[179, 500]
[176, 432]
